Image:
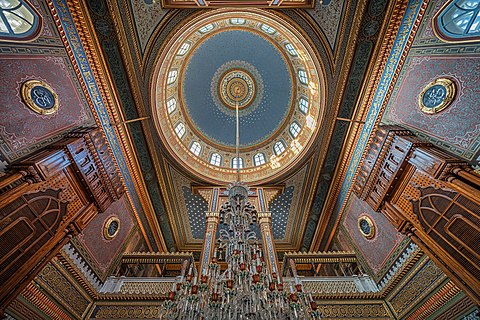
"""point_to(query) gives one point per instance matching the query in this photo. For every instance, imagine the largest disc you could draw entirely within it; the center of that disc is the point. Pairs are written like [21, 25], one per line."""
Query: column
[209, 240]
[270, 254]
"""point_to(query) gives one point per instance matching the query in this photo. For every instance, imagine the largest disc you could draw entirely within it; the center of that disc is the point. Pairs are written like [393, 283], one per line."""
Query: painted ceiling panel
[258, 57]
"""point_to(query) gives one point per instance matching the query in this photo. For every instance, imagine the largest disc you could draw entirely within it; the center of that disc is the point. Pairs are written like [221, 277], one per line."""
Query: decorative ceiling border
[80, 49]
[406, 18]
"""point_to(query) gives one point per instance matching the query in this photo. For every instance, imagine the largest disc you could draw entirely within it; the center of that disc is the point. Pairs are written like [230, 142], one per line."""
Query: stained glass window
[460, 20]
[294, 129]
[196, 148]
[259, 159]
[279, 147]
[237, 163]
[180, 129]
[215, 159]
[171, 105]
[17, 20]
[303, 105]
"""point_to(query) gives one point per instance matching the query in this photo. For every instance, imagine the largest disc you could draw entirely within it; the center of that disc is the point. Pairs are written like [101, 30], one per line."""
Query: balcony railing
[315, 285]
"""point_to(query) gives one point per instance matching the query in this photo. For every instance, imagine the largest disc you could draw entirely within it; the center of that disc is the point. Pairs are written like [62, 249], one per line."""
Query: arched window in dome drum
[206, 28]
[237, 21]
[18, 21]
[180, 129]
[302, 76]
[268, 29]
[196, 148]
[295, 129]
[279, 147]
[291, 50]
[172, 76]
[303, 105]
[171, 105]
[259, 159]
[216, 159]
[237, 163]
[183, 49]
[459, 21]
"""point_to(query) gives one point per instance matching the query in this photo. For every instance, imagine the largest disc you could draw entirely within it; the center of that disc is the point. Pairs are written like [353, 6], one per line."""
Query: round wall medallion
[39, 97]
[111, 228]
[437, 95]
[366, 227]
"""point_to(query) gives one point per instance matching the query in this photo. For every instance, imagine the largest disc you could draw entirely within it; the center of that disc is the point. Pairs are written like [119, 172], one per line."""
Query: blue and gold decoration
[366, 227]
[437, 95]
[234, 81]
[39, 97]
[111, 228]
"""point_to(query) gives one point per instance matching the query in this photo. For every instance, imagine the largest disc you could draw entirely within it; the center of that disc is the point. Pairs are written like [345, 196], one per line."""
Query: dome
[252, 59]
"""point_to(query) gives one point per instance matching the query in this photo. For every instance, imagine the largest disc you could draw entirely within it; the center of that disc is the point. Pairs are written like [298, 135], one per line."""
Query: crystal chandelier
[245, 289]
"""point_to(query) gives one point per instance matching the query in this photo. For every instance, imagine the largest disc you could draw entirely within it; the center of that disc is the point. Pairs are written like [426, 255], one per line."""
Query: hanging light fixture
[245, 289]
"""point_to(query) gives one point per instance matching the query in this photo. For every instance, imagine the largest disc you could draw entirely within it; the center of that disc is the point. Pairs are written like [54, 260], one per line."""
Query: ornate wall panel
[126, 310]
[376, 251]
[43, 59]
[456, 128]
[104, 251]
[359, 309]
[35, 129]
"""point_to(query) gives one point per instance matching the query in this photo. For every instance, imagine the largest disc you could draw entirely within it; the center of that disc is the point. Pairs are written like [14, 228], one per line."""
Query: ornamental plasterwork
[195, 33]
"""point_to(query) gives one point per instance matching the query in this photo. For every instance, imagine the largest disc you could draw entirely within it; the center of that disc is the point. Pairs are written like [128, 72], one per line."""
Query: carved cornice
[37, 298]
[435, 302]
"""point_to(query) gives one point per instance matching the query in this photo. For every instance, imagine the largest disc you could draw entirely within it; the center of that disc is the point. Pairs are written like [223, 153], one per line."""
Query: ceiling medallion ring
[237, 86]
[237, 81]
[437, 95]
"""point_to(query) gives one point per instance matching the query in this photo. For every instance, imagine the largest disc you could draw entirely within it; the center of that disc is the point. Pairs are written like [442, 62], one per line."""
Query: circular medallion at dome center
[237, 86]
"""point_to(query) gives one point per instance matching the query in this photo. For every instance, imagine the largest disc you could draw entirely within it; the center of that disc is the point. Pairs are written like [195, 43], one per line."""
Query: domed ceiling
[224, 58]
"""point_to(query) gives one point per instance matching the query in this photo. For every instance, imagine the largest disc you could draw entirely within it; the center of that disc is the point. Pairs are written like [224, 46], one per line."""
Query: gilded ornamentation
[128, 312]
[352, 311]
[366, 226]
[111, 228]
[144, 287]
[437, 95]
[64, 290]
[39, 97]
[416, 288]
[237, 81]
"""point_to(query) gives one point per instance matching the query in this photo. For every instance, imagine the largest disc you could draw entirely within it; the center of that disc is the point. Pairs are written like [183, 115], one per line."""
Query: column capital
[264, 217]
